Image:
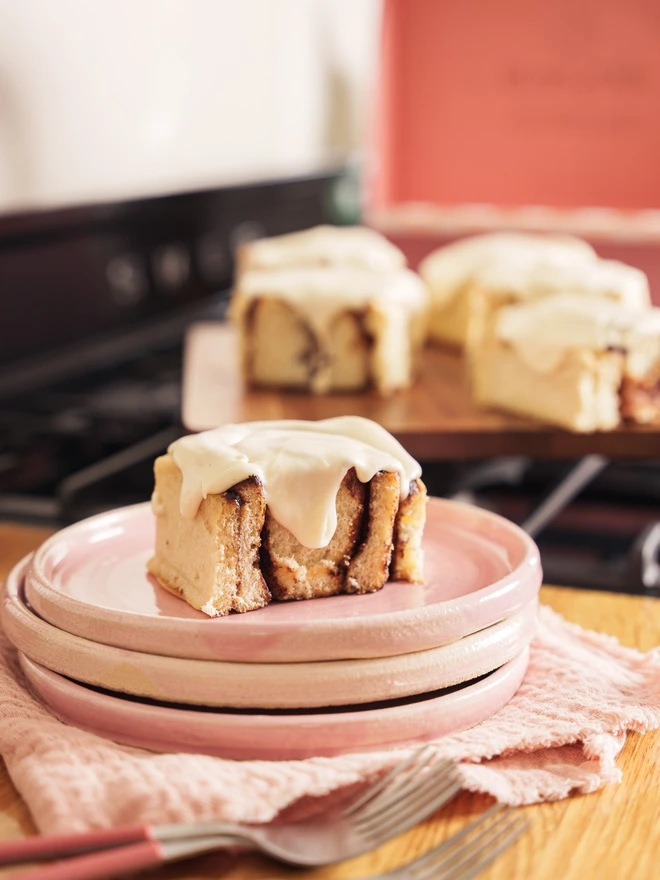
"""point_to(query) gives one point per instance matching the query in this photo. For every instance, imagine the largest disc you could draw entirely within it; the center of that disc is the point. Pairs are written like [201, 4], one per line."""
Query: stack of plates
[107, 649]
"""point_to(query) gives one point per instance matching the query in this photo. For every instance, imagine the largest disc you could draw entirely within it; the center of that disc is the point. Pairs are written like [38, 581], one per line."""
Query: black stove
[604, 536]
[87, 443]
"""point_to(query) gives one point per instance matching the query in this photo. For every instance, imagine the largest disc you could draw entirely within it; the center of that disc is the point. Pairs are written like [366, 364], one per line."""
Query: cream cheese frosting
[355, 246]
[321, 293]
[543, 330]
[537, 275]
[301, 465]
[449, 268]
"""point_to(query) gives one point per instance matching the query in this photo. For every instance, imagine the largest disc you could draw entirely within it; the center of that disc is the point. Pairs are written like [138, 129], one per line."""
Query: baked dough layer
[234, 556]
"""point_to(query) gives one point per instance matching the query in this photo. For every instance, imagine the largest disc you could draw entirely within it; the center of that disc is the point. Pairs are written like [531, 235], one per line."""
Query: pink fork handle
[56, 846]
[105, 864]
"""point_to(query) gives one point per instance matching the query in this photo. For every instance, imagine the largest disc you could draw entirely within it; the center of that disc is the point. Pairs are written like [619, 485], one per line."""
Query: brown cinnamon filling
[640, 398]
[367, 341]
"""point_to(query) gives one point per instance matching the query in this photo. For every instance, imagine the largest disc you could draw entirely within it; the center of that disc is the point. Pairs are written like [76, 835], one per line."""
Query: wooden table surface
[613, 833]
[435, 419]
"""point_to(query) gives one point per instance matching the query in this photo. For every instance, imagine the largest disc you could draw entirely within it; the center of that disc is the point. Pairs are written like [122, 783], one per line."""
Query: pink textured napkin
[561, 733]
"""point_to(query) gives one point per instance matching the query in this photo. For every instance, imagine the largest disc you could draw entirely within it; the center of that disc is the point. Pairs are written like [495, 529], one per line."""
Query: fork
[409, 793]
[467, 853]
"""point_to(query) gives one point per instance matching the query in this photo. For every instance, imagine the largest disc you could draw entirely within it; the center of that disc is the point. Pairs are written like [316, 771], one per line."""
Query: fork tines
[413, 791]
[467, 853]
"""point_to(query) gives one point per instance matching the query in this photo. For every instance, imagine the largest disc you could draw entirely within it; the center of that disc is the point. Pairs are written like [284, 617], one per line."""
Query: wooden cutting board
[435, 419]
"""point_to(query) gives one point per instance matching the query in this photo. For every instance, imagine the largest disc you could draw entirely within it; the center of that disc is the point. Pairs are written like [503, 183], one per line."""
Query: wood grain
[435, 419]
[613, 833]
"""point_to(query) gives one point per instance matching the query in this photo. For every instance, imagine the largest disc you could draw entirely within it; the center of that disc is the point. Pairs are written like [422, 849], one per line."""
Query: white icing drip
[300, 464]
[354, 246]
[321, 294]
[449, 268]
[530, 276]
[543, 330]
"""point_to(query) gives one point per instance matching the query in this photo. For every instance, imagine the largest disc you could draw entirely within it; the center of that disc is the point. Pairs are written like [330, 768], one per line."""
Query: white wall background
[105, 99]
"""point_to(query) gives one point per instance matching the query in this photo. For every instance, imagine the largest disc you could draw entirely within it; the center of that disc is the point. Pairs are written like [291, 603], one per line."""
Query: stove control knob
[171, 267]
[127, 278]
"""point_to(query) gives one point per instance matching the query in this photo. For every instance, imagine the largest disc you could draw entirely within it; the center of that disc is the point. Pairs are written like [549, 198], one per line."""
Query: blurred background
[110, 101]
[141, 142]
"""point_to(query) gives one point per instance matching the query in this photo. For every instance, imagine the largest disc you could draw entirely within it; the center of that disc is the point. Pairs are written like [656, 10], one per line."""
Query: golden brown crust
[640, 398]
[369, 567]
[251, 588]
[212, 561]
[233, 554]
[408, 557]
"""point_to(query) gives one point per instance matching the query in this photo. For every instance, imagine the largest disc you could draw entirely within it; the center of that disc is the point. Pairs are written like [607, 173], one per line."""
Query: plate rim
[153, 676]
[212, 721]
[66, 611]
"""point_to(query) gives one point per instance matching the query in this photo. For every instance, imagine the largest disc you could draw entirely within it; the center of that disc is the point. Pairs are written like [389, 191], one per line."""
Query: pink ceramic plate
[261, 685]
[275, 736]
[91, 579]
